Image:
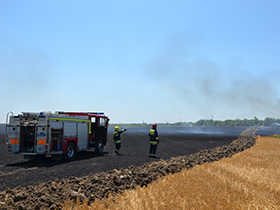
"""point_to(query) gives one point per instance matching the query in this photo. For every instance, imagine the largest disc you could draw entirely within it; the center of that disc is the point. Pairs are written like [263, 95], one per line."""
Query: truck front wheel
[99, 148]
[70, 151]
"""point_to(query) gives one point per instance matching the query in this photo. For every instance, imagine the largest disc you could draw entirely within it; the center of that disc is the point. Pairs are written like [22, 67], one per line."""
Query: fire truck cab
[60, 134]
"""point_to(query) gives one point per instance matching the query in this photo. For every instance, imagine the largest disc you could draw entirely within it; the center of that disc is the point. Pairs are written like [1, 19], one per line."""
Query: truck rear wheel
[70, 151]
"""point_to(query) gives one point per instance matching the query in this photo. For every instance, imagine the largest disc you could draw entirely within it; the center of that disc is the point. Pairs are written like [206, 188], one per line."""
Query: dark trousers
[153, 149]
[118, 146]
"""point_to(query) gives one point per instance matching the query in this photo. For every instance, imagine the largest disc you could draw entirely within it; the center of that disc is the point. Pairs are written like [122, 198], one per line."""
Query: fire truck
[57, 135]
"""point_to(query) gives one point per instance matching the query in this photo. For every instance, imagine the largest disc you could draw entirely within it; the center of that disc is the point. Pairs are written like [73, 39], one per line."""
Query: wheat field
[247, 180]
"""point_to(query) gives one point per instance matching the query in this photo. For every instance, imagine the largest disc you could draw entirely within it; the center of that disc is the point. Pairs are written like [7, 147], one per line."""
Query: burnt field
[15, 170]
[44, 184]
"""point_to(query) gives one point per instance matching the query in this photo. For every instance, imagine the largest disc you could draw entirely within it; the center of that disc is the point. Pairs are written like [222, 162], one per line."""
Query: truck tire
[70, 152]
[99, 148]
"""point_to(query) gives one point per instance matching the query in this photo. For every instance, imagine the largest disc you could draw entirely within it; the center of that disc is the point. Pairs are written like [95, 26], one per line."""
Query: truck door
[13, 138]
[101, 132]
[93, 127]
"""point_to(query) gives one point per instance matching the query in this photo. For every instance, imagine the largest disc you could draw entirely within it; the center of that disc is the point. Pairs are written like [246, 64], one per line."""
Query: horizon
[185, 122]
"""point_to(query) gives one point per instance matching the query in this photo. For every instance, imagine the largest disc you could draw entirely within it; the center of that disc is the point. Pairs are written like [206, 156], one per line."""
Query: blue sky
[141, 61]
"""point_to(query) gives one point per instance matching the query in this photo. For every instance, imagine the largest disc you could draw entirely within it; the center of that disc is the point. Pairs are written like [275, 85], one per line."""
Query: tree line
[238, 122]
[209, 122]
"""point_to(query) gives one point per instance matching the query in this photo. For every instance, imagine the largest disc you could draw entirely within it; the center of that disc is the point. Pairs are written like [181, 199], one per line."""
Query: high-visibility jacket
[153, 134]
[117, 135]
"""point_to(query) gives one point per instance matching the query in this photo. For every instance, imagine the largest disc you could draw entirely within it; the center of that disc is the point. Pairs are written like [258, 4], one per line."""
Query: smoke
[258, 95]
[207, 87]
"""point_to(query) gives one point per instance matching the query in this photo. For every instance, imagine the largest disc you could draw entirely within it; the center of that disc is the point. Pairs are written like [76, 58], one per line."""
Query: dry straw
[247, 180]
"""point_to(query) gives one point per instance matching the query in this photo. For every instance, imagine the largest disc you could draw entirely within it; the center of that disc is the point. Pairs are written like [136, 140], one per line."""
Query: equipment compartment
[27, 138]
[56, 139]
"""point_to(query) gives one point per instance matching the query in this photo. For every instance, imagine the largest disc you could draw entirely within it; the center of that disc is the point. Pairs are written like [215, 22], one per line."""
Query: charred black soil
[45, 184]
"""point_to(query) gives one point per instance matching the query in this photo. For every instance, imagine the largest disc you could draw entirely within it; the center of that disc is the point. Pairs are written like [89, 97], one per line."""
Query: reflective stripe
[53, 118]
[117, 136]
[41, 141]
[153, 142]
[153, 135]
[13, 141]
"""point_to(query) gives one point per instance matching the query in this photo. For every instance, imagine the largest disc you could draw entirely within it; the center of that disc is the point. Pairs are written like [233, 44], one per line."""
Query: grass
[247, 180]
[276, 136]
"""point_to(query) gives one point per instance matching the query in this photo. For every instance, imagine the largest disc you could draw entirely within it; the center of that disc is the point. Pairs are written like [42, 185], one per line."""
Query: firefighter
[117, 138]
[153, 135]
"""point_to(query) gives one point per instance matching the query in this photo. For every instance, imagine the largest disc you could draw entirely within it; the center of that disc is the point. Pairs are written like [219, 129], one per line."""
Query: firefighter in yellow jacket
[153, 135]
[117, 138]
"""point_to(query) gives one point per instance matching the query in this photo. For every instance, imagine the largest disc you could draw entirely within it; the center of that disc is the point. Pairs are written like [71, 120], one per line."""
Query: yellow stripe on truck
[53, 118]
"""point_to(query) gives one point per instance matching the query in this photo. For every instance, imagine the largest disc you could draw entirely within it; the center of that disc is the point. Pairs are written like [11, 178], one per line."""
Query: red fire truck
[60, 134]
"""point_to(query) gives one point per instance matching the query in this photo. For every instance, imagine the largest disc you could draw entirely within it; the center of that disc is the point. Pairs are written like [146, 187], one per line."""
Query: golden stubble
[247, 180]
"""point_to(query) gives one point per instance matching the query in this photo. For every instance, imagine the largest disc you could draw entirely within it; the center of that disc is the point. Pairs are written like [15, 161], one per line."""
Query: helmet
[117, 128]
[154, 125]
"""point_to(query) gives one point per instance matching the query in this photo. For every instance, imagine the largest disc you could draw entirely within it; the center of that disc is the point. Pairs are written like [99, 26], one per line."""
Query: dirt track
[46, 183]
